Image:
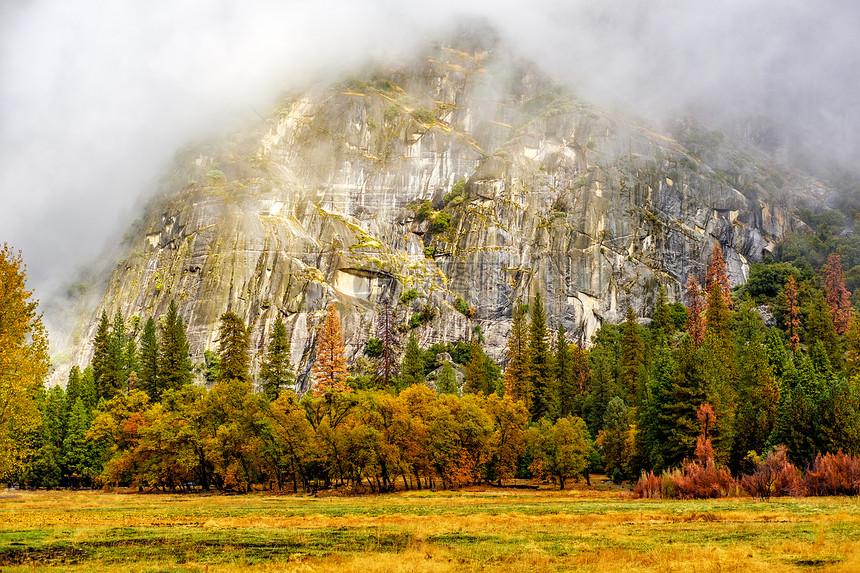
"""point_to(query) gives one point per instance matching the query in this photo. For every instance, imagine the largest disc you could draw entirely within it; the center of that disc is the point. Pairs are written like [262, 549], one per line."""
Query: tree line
[775, 362]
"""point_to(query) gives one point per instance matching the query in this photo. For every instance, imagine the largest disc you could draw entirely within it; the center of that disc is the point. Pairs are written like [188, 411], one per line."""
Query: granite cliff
[467, 179]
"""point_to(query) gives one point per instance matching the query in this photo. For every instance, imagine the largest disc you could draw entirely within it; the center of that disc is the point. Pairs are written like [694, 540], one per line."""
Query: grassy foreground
[493, 530]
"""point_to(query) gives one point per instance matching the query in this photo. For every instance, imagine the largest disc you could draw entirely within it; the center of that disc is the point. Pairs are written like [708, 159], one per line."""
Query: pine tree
[717, 274]
[518, 376]
[174, 367]
[412, 367]
[330, 372]
[477, 375]
[837, 296]
[662, 319]
[792, 314]
[233, 342]
[580, 375]
[543, 382]
[100, 357]
[115, 373]
[820, 326]
[695, 322]
[386, 333]
[632, 357]
[616, 437]
[277, 370]
[447, 382]
[73, 385]
[564, 375]
[149, 351]
[852, 343]
[79, 454]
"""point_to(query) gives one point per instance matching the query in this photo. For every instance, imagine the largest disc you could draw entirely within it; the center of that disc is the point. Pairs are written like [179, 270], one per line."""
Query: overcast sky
[96, 95]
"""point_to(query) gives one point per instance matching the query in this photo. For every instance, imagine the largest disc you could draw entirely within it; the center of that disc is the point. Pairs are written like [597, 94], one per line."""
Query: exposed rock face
[313, 205]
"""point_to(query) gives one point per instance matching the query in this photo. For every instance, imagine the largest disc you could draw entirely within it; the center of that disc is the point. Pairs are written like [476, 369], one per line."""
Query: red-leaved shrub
[698, 480]
[773, 477]
[649, 486]
[833, 474]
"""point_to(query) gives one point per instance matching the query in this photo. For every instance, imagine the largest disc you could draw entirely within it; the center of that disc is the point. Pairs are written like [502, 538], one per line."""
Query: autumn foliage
[837, 296]
[329, 368]
[695, 310]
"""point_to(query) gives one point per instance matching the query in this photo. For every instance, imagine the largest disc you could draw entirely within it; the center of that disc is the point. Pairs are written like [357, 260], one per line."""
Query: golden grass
[498, 530]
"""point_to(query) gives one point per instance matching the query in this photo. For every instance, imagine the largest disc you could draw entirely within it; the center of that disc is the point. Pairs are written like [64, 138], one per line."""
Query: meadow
[584, 529]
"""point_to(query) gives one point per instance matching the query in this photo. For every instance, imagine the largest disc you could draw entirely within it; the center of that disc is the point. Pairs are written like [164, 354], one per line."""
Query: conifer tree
[682, 402]
[101, 356]
[580, 374]
[277, 370]
[616, 437]
[567, 391]
[386, 333]
[174, 366]
[477, 375]
[233, 342]
[695, 321]
[662, 320]
[116, 372]
[447, 382]
[852, 343]
[412, 367]
[820, 326]
[543, 382]
[329, 370]
[73, 385]
[717, 274]
[148, 359]
[792, 314]
[837, 296]
[632, 357]
[518, 376]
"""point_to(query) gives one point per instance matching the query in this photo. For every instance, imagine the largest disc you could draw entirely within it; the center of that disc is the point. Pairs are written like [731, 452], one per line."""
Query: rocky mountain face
[466, 181]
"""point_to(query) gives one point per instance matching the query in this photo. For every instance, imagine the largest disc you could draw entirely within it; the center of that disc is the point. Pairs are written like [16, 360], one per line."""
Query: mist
[96, 96]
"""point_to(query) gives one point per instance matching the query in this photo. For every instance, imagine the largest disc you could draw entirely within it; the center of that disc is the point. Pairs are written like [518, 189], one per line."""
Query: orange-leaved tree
[837, 296]
[330, 365]
[717, 273]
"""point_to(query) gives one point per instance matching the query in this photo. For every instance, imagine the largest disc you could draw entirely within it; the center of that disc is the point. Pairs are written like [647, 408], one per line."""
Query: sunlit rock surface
[317, 202]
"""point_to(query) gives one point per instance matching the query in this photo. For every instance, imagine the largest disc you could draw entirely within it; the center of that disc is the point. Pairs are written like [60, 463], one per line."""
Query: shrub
[649, 486]
[408, 296]
[463, 307]
[373, 348]
[425, 116]
[703, 480]
[774, 476]
[439, 223]
[430, 252]
[833, 474]
[423, 211]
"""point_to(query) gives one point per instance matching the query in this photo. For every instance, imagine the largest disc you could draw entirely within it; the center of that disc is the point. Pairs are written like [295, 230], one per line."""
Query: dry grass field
[489, 530]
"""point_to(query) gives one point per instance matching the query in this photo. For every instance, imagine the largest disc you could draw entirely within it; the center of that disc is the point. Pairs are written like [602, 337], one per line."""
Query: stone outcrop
[344, 193]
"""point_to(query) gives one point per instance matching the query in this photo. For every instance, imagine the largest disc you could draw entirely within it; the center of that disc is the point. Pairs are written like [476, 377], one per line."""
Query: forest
[754, 389]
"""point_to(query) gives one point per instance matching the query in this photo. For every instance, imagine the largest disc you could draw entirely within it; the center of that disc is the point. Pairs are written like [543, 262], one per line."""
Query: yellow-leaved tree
[24, 362]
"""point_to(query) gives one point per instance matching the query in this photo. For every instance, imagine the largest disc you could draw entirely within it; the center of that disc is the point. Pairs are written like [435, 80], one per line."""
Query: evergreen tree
[567, 390]
[174, 366]
[412, 367]
[632, 357]
[543, 381]
[663, 320]
[518, 375]
[477, 375]
[100, 359]
[654, 418]
[819, 326]
[852, 343]
[149, 352]
[277, 370]
[88, 393]
[681, 405]
[447, 382]
[837, 296]
[387, 335]
[580, 376]
[330, 372]
[79, 453]
[115, 373]
[73, 385]
[695, 322]
[792, 314]
[233, 342]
